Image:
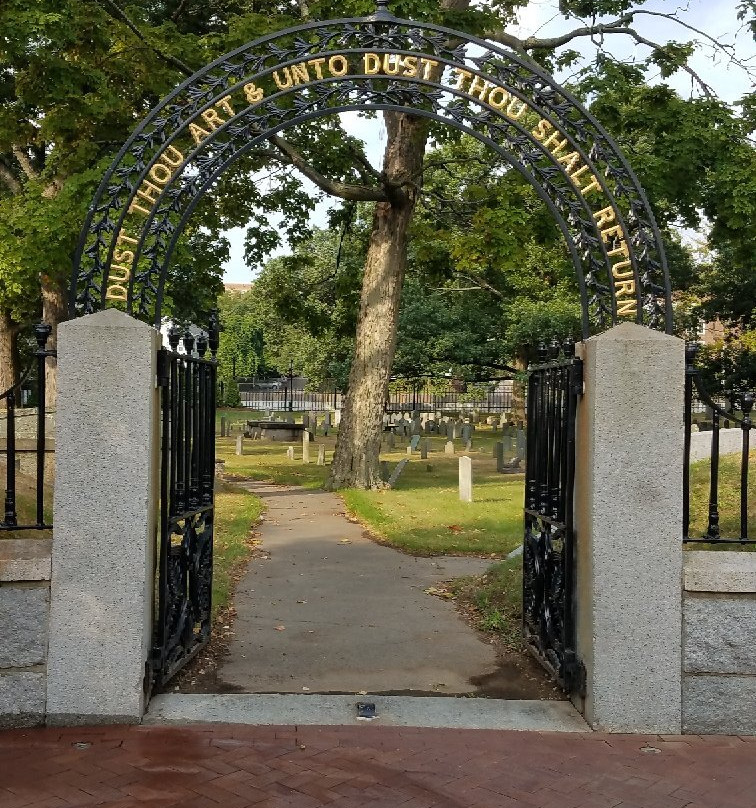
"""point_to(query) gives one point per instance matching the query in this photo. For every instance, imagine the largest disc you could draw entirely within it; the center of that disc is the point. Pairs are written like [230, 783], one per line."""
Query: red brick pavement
[231, 766]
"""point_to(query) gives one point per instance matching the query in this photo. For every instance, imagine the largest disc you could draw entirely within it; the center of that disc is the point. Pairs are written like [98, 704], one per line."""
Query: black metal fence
[187, 471]
[449, 401]
[548, 549]
[33, 449]
[698, 399]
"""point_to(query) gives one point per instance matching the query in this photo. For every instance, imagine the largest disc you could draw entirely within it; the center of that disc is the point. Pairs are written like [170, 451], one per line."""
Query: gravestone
[223, 427]
[239, 445]
[491, 420]
[306, 421]
[384, 470]
[417, 426]
[396, 473]
[449, 448]
[468, 446]
[456, 430]
[424, 450]
[390, 440]
[414, 443]
[521, 443]
[290, 453]
[499, 455]
[321, 455]
[430, 427]
[305, 447]
[337, 418]
[465, 479]
[466, 432]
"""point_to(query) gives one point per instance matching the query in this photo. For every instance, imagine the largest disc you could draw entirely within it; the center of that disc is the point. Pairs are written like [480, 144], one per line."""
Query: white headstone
[239, 445]
[321, 455]
[290, 453]
[449, 447]
[305, 446]
[465, 479]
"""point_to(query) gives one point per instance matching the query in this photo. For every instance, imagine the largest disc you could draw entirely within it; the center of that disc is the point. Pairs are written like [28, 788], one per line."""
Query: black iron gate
[554, 386]
[187, 471]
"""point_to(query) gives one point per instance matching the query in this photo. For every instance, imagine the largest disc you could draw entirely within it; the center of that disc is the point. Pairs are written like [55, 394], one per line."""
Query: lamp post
[291, 385]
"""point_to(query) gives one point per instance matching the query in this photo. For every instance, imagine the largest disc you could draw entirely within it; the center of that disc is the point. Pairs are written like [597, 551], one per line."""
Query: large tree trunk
[54, 312]
[9, 359]
[356, 460]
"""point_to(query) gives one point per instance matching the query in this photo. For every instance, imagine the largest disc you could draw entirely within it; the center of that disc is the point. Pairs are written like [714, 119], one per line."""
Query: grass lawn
[422, 515]
[236, 511]
[729, 500]
[495, 600]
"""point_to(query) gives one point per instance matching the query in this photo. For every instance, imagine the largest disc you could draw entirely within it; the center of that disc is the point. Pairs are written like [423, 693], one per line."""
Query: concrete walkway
[326, 610]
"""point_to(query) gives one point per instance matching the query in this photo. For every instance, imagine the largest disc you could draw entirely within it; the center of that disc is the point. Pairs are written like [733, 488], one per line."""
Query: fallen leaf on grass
[280, 628]
[455, 528]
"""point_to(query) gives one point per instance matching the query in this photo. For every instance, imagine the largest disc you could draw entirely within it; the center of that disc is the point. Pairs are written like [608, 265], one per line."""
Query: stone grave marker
[424, 449]
[239, 445]
[449, 447]
[391, 440]
[417, 426]
[305, 447]
[321, 455]
[223, 427]
[290, 453]
[414, 443]
[465, 479]
[384, 470]
[397, 472]
[306, 421]
[468, 445]
[337, 418]
[466, 432]
[499, 455]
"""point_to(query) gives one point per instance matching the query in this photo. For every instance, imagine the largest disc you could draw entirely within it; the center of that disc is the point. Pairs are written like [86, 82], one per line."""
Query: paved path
[330, 611]
[369, 767]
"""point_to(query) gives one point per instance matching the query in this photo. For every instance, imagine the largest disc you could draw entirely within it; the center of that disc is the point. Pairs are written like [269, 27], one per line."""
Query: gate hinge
[577, 377]
[574, 675]
[163, 368]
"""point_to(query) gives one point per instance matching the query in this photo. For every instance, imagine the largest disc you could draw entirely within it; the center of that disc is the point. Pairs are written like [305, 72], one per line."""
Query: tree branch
[352, 193]
[14, 186]
[23, 160]
[485, 284]
[117, 14]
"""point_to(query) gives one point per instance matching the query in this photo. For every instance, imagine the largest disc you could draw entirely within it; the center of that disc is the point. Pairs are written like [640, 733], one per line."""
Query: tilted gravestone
[396, 473]
[414, 443]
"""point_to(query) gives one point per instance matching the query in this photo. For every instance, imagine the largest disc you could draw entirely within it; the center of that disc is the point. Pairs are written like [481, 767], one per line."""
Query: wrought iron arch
[375, 63]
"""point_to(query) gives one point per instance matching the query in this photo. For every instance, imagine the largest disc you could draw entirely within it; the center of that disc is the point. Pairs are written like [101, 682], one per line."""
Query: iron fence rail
[302, 401]
[695, 392]
[34, 375]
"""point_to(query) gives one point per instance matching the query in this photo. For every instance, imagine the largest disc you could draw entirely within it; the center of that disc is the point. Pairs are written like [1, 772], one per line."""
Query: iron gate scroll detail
[187, 471]
[554, 387]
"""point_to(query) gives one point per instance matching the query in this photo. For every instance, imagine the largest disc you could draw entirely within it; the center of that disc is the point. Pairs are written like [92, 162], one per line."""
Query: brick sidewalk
[232, 766]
